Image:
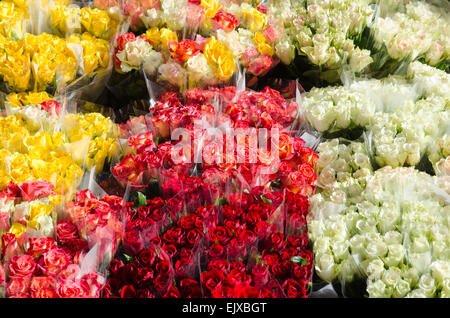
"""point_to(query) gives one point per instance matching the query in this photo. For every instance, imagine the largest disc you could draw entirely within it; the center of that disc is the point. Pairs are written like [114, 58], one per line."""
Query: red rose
[237, 277]
[294, 289]
[42, 282]
[163, 267]
[22, 266]
[236, 249]
[308, 172]
[266, 293]
[297, 241]
[300, 272]
[69, 272]
[282, 270]
[172, 292]
[128, 291]
[142, 142]
[72, 289]
[275, 241]
[240, 199]
[55, 261]
[183, 50]
[211, 279]
[226, 21]
[261, 275]
[174, 236]
[161, 283]
[17, 286]
[44, 293]
[171, 250]
[217, 251]
[66, 231]
[132, 242]
[187, 222]
[50, 106]
[144, 276]
[190, 288]
[220, 234]
[219, 264]
[147, 257]
[193, 237]
[231, 212]
[39, 246]
[123, 39]
[33, 190]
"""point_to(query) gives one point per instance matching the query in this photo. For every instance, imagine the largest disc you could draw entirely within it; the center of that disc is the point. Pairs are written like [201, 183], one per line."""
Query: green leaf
[128, 258]
[298, 260]
[142, 199]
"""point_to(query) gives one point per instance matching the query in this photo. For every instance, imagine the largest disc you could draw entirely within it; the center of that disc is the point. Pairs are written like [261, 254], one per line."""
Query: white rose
[392, 237]
[376, 249]
[378, 289]
[411, 275]
[375, 269]
[417, 293]
[322, 245]
[401, 289]
[46, 226]
[391, 276]
[359, 59]
[427, 284]
[340, 249]
[152, 62]
[325, 267]
[440, 270]
[285, 51]
[420, 245]
[395, 254]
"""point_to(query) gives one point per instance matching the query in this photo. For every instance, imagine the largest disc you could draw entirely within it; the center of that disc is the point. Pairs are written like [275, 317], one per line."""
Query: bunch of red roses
[225, 226]
[63, 263]
[47, 268]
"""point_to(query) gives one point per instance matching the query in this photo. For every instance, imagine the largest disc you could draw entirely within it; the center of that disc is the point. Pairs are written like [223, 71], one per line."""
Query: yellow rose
[154, 36]
[211, 6]
[64, 19]
[96, 21]
[261, 45]
[15, 68]
[17, 229]
[28, 98]
[167, 36]
[220, 58]
[252, 19]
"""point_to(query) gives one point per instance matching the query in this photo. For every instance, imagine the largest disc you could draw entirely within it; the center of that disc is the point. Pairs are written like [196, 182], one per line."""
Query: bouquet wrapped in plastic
[320, 38]
[383, 235]
[405, 31]
[401, 116]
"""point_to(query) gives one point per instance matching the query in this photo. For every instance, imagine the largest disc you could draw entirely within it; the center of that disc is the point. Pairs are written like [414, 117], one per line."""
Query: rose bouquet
[197, 44]
[384, 236]
[65, 20]
[320, 37]
[400, 115]
[42, 62]
[13, 20]
[411, 30]
[42, 142]
[30, 207]
[242, 256]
